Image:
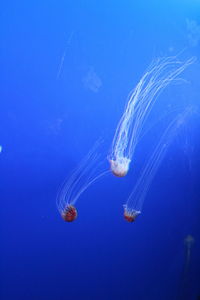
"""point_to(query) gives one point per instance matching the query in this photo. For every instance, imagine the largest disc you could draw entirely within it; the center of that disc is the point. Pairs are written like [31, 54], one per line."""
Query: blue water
[66, 70]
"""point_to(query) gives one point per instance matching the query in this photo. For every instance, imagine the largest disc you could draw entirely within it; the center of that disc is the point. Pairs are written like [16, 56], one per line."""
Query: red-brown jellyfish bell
[69, 214]
[141, 100]
[120, 167]
[85, 174]
[130, 215]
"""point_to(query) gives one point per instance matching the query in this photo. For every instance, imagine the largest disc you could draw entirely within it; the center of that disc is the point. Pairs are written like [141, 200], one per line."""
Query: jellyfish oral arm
[86, 186]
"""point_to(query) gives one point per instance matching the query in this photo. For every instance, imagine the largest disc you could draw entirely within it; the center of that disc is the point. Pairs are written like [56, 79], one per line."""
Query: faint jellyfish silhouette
[134, 204]
[188, 242]
[92, 81]
[193, 32]
[184, 290]
[160, 74]
[87, 172]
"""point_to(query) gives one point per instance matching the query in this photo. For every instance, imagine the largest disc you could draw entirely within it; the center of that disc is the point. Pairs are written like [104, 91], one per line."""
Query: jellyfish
[188, 242]
[134, 204]
[86, 173]
[141, 99]
[185, 288]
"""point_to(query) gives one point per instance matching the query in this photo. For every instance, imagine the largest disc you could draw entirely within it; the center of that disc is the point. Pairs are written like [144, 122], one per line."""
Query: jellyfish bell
[130, 215]
[69, 214]
[120, 167]
[189, 241]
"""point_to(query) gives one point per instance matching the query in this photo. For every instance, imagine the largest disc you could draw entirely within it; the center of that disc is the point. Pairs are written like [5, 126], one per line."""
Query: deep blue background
[66, 70]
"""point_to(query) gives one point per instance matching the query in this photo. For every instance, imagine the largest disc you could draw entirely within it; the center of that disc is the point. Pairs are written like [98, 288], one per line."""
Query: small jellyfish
[159, 75]
[82, 177]
[188, 241]
[185, 288]
[69, 213]
[92, 81]
[130, 214]
[134, 204]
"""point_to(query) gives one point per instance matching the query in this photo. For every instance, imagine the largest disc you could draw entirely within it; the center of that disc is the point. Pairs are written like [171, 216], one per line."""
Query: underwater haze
[67, 68]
